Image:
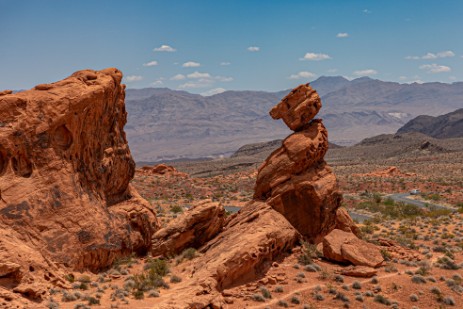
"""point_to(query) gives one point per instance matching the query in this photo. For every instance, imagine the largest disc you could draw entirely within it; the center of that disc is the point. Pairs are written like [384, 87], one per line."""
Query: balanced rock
[191, 229]
[295, 180]
[359, 271]
[345, 247]
[65, 168]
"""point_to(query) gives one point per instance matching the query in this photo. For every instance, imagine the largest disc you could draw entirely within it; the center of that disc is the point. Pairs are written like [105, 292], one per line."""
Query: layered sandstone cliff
[65, 168]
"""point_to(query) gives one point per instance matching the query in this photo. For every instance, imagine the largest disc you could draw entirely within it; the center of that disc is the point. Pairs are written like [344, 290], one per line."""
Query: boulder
[298, 107]
[345, 247]
[65, 168]
[359, 271]
[345, 223]
[191, 229]
[295, 180]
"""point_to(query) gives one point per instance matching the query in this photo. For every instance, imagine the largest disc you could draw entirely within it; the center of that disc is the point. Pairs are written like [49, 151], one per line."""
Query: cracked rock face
[65, 168]
[295, 179]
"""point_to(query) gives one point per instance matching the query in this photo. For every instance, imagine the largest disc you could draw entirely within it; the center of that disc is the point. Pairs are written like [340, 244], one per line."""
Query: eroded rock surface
[191, 229]
[246, 248]
[295, 180]
[65, 167]
[345, 247]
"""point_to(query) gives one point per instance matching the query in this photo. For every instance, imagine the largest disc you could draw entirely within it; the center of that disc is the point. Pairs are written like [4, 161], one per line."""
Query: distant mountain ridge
[165, 124]
[445, 126]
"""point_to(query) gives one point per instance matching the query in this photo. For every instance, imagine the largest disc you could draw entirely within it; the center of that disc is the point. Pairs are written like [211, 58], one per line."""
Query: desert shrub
[309, 252]
[418, 279]
[278, 289]
[93, 301]
[382, 300]
[81, 306]
[157, 266]
[175, 279]
[138, 294]
[153, 293]
[282, 303]
[67, 297]
[265, 292]
[52, 304]
[413, 297]
[70, 278]
[318, 297]
[176, 209]
[359, 298]
[356, 285]
[448, 300]
[300, 275]
[312, 268]
[258, 297]
[295, 300]
[339, 278]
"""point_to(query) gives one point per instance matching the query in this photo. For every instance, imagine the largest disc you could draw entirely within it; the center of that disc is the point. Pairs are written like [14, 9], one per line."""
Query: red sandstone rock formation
[191, 229]
[162, 169]
[65, 167]
[345, 247]
[295, 180]
[244, 250]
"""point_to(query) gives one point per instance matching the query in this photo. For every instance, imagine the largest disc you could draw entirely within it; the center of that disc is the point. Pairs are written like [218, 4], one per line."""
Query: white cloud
[202, 83]
[150, 64]
[332, 70]
[403, 77]
[301, 75]
[435, 68]
[366, 11]
[412, 58]
[225, 63]
[197, 74]
[133, 78]
[203, 80]
[178, 77]
[213, 91]
[429, 56]
[157, 83]
[253, 48]
[223, 78]
[164, 48]
[315, 57]
[367, 72]
[342, 35]
[191, 64]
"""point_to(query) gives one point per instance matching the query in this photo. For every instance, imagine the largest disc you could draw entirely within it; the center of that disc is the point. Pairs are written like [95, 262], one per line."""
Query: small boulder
[359, 271]
[341, 246]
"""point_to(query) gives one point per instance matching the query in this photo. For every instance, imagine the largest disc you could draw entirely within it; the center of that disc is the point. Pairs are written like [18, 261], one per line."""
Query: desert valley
[204, 154]
[298, 223]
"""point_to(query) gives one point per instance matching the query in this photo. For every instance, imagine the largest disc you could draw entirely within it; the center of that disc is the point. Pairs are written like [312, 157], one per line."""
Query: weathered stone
[191, 229]
[298, 107]
[345, 247]
[359, 271]
[345, 223]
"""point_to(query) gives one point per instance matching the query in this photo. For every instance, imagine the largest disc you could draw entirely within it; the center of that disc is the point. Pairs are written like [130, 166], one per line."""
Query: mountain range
[165, 124]
[444, 126]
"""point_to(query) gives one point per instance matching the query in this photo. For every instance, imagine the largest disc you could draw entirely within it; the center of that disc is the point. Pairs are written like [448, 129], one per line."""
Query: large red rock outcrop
[191, 229]
[65, 167]
[295, 180]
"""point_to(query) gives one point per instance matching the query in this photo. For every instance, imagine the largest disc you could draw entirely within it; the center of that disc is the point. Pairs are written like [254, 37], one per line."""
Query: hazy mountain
[445, 126]
[169, 124]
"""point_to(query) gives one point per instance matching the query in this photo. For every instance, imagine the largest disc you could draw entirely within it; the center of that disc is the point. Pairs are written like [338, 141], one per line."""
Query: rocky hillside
[445, 126]
[185, 125]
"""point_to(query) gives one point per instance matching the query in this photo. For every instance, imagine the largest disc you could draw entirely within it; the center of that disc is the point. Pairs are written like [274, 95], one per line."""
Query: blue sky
[214, 45]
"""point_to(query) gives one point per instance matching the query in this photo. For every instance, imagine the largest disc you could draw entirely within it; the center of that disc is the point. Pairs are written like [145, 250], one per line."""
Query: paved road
[402, 197]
